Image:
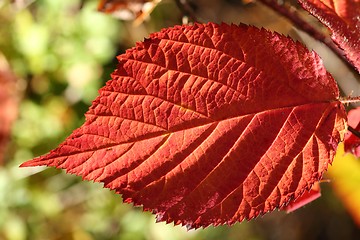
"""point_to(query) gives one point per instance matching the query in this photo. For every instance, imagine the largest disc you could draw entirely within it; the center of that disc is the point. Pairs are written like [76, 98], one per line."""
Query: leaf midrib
[165, 133]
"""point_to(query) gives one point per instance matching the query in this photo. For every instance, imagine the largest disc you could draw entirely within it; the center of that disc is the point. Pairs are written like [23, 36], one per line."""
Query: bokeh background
[54, 56]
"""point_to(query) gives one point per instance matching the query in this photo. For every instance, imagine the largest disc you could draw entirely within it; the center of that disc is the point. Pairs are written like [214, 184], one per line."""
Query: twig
[186, 9]
[292, 15]
[82, 2]
[353, 131]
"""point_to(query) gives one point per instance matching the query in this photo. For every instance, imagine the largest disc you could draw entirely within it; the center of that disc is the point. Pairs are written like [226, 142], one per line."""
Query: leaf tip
[33, 162]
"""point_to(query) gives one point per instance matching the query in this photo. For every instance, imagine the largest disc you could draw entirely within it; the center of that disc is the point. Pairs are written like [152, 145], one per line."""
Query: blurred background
[54, 56]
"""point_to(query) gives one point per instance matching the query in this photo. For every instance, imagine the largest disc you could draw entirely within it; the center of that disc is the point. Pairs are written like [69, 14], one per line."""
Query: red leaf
[307, 197]
[352, 142]
[8, 105]
[342, 18]
[209, 124]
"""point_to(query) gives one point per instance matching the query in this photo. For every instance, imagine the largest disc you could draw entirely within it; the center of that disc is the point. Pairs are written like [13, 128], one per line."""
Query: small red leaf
[209, 124]
[352, 142]
[8, 106]
[308, 196]
[342, 18]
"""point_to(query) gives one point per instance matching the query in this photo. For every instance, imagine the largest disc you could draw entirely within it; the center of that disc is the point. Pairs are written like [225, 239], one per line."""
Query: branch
[353, 131]
[186, 9]
[300, 23]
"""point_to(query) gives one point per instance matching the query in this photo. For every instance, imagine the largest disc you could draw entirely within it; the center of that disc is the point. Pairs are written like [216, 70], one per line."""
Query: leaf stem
[291, 14]
[347, 100]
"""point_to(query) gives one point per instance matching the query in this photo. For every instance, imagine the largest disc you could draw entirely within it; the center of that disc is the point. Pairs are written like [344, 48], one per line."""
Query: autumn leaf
[128, 9]
[8, 105]
[307, 197]
[342, 18]
[110, 6]
[345, 179]
[209, 124]
[352, 141]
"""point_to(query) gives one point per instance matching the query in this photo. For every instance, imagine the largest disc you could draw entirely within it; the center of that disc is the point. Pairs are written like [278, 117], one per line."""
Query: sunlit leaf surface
[209, 124]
